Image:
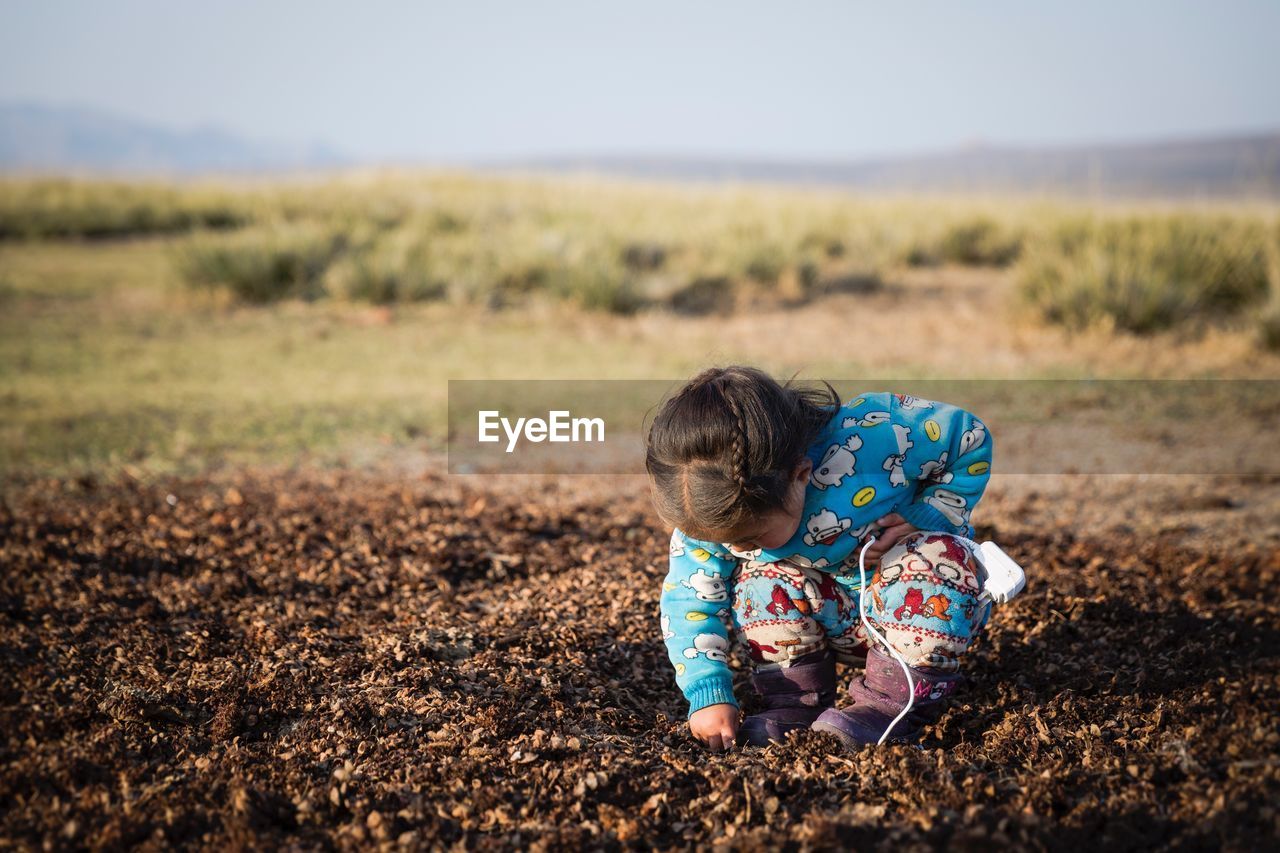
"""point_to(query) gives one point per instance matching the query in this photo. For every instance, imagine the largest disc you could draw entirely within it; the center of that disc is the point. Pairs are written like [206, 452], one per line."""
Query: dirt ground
[329, 659]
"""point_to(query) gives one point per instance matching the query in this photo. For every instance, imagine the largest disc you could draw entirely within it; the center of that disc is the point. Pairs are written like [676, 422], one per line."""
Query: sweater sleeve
[695, 615]
[946, 457]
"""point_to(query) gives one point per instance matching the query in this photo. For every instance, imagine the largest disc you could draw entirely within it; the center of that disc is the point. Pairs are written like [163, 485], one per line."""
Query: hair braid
[739, 446]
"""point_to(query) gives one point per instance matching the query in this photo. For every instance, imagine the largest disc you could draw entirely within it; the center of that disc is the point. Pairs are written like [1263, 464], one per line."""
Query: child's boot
[793, 696]
[880, 695]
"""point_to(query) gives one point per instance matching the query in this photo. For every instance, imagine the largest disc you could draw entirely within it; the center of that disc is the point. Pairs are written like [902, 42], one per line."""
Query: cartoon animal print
[869, 419]
[667, 633]
[825, 527]
[952, 506]
[947, 571]
[907, 401]
[953, 552]
[934, 471]
[781, 603]
[713, 646]
[827, 590]
[973, 437]
[836, 464]
[745, 555]
[913, 563]
[707, 587]
[893, 464]
[677, 544]
[915, 604]
[757, 650]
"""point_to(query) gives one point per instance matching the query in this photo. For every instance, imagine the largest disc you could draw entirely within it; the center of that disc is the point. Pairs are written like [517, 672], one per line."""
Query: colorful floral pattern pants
[923, 598]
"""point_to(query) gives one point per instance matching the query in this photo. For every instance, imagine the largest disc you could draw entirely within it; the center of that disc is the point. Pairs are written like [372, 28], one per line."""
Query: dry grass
[109, 358]
[1144, 273]
[52, 209]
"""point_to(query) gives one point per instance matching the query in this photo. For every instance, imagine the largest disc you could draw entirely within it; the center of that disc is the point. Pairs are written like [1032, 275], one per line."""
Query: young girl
[773, 491]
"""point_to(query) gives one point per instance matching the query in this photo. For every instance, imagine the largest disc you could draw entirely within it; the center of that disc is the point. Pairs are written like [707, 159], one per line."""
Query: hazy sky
[468, 80]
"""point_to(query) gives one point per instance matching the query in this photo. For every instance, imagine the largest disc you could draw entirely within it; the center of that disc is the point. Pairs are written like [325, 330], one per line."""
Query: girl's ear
[803, 470]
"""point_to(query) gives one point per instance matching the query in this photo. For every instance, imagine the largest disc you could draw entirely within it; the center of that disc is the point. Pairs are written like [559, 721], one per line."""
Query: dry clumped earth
[329, 659]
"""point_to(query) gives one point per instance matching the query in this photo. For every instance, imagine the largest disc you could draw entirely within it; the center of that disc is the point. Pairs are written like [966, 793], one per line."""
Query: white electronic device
[1005, 578]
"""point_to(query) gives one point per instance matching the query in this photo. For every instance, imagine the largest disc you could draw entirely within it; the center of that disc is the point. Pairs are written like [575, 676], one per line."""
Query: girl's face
[773, 529]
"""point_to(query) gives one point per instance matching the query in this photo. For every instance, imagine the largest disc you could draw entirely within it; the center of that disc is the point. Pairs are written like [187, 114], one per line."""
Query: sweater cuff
[925, 517]
[711, 690]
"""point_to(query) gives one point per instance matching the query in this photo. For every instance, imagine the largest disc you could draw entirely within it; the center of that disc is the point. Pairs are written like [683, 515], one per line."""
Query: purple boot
[880, 695]
[793, 697]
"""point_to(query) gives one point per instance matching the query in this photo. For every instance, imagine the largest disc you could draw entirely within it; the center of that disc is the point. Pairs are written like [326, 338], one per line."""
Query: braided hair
[721, 451]
[738, 446]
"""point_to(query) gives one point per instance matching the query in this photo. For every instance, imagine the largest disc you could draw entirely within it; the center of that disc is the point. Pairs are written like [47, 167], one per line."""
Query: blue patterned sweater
[881, 453]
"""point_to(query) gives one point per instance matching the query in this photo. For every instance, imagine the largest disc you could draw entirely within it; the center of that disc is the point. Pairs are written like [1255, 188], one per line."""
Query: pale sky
[419, 81]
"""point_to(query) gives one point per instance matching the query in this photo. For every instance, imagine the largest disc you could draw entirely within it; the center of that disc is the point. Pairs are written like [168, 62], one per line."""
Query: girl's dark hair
[722, 451]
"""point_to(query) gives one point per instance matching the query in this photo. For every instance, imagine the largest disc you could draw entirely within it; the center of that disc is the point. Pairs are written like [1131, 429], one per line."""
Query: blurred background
[270, 233]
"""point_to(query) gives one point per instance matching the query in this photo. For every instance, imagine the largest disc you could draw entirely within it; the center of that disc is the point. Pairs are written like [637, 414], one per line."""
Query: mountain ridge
[1243, 165]
[44, 139]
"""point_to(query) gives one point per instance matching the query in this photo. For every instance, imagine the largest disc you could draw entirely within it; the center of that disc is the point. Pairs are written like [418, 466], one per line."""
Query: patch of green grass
[264, 264]
[980, 242]
[612, 247]
[968, 241]
[109, 356]
[1144, 274]
[136, 369]
[62, 208]
[1269, 325]
[394, 267]
[1269, 314]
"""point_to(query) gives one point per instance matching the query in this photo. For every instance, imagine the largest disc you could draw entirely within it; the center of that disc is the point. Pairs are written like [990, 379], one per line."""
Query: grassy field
[166, 328]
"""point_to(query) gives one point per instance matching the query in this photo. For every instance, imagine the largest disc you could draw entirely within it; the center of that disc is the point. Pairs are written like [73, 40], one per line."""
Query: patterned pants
[923, 599]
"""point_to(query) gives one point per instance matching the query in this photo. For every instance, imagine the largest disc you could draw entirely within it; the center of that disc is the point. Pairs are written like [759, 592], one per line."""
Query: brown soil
[334, 660]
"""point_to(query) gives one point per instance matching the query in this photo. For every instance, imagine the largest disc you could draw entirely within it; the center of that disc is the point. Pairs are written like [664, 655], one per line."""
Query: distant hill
[1237, 166]
[38, 138]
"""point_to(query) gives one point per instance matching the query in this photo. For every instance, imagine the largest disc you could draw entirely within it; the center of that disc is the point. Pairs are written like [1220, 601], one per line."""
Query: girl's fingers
[891, 535]
[901, 530]
[893, 527]
[714, 742]
[727, 737]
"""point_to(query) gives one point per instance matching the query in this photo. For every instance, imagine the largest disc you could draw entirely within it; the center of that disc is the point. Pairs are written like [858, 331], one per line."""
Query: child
[773, 491]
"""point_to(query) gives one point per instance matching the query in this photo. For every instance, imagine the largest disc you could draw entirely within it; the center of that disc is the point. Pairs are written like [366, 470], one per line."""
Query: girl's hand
[893, 527]
[716, 725]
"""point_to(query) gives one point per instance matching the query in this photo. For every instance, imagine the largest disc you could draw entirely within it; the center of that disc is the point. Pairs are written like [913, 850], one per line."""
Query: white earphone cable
[862, 615]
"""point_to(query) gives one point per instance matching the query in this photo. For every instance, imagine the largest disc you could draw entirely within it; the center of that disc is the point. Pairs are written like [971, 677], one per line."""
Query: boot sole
[849, 742]
[751, 739]
[853, 743]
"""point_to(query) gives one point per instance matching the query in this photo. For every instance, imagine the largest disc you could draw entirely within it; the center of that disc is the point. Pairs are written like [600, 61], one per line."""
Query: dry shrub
[62, 208]
[264, 264]
[1144, 274]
